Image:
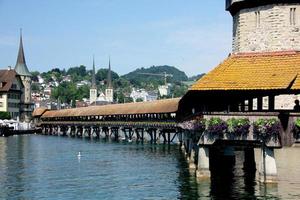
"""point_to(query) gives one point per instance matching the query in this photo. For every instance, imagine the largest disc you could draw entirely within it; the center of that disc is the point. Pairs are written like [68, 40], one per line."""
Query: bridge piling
[203, 170]
[267, 167]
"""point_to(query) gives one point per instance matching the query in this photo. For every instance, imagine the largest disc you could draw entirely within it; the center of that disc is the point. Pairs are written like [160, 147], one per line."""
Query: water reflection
[36, 167]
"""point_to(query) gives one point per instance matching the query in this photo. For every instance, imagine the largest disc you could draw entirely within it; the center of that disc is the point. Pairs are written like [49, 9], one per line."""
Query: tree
[139, 100]
[102, 75]
[35, 87]
[65, 92]
[5, 115]
[34, 77]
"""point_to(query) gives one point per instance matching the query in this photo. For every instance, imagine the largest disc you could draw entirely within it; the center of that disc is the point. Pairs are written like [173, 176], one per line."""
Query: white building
[143, 94]
[164, 90]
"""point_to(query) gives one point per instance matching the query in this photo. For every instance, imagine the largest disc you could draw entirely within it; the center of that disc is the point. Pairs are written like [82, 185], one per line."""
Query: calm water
[45, 167]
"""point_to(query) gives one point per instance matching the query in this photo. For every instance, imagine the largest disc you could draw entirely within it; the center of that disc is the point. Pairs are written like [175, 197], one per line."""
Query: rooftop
[153, 107]
[254, 71]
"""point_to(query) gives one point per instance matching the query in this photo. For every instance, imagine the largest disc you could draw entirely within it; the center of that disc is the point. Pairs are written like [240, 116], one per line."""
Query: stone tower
[22, 70]
[109, 92]
[93, 89]
[265, 25]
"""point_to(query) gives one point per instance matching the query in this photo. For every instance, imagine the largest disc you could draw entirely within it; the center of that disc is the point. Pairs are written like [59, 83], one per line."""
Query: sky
[193, 35]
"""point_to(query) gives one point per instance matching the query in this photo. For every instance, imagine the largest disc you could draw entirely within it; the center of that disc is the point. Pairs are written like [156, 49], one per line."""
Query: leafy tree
[35, 87]
[179, 90]
[34, 77]
[139, 100]
[102, 75]
[81, 70]
[65, 92]
[5, 115]
[196, 77]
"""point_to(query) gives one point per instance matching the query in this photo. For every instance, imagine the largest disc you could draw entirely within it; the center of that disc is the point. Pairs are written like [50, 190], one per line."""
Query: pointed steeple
[94, 75]
[21, 67]
[109, 82]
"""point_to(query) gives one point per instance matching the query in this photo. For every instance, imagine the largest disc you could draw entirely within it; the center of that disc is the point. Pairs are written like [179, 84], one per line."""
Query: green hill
[138, 78]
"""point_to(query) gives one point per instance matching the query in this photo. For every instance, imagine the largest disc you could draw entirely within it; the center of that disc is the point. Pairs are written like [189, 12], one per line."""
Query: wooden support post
[169, 138]
[271, 103]
[243, 106]
[259, 103]
[142, 132]
[130, 135]
[250, 105]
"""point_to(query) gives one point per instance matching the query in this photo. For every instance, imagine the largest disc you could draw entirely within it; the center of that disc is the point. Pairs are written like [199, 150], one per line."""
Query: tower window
[292, 16]
[257, 19]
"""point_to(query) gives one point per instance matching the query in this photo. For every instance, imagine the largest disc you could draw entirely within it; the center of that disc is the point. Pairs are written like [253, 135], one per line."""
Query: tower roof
[21, 67]
[93, 75]
[109, 82]
[234, 6]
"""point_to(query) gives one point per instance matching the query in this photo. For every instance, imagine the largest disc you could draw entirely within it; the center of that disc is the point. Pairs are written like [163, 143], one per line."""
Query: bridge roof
[153, 107]
[254, 71]
[39, 111]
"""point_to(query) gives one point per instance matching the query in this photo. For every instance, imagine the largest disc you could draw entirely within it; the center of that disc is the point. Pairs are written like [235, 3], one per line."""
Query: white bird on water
[79, 155]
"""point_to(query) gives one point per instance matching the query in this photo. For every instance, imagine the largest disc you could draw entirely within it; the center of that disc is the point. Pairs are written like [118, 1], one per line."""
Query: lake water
[47, 167]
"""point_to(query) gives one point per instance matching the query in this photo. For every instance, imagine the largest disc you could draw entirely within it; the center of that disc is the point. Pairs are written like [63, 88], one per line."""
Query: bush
[238, 126]
[216, 126]
[5, 115]
[267, 127]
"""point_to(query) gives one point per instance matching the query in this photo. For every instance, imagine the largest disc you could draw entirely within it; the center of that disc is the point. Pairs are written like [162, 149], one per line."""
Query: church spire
[109, 82]
[94, 74]
[21, 67]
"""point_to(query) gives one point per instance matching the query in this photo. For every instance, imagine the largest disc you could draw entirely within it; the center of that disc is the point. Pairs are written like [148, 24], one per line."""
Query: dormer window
[292, 16]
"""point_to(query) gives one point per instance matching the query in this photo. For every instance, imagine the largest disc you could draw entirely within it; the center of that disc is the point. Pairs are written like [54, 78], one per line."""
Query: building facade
[11, 92]
[265, 26]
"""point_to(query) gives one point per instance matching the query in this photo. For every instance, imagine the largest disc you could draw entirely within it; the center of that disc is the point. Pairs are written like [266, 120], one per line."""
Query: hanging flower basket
[296, 129]
[216, 126]
[200, 125]
[238, 127]
[267, 128]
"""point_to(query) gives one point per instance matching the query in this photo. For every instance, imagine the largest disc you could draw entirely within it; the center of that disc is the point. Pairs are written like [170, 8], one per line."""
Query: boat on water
[12, 127]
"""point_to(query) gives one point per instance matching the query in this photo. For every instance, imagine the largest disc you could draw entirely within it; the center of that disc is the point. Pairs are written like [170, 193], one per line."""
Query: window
[1, 104]
[292, 16]
[257, 19]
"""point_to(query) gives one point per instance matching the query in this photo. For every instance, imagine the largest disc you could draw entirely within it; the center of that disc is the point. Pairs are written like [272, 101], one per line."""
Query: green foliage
[35, 87]
[5, 115]
[238, 126]
[216, 125]
[67, 91]
[179, 90]
[200, 124]
[297, 123]
[141, 80]
[34, 77]
[267, 127]
[102, 75]
[79, 71]
[196, 77]
[139, 100]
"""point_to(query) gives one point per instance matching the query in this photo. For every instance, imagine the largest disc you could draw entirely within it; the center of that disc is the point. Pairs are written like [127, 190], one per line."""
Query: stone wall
[266, 28]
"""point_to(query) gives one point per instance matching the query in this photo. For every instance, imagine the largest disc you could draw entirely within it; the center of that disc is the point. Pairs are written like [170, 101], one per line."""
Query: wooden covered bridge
[153, 121]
